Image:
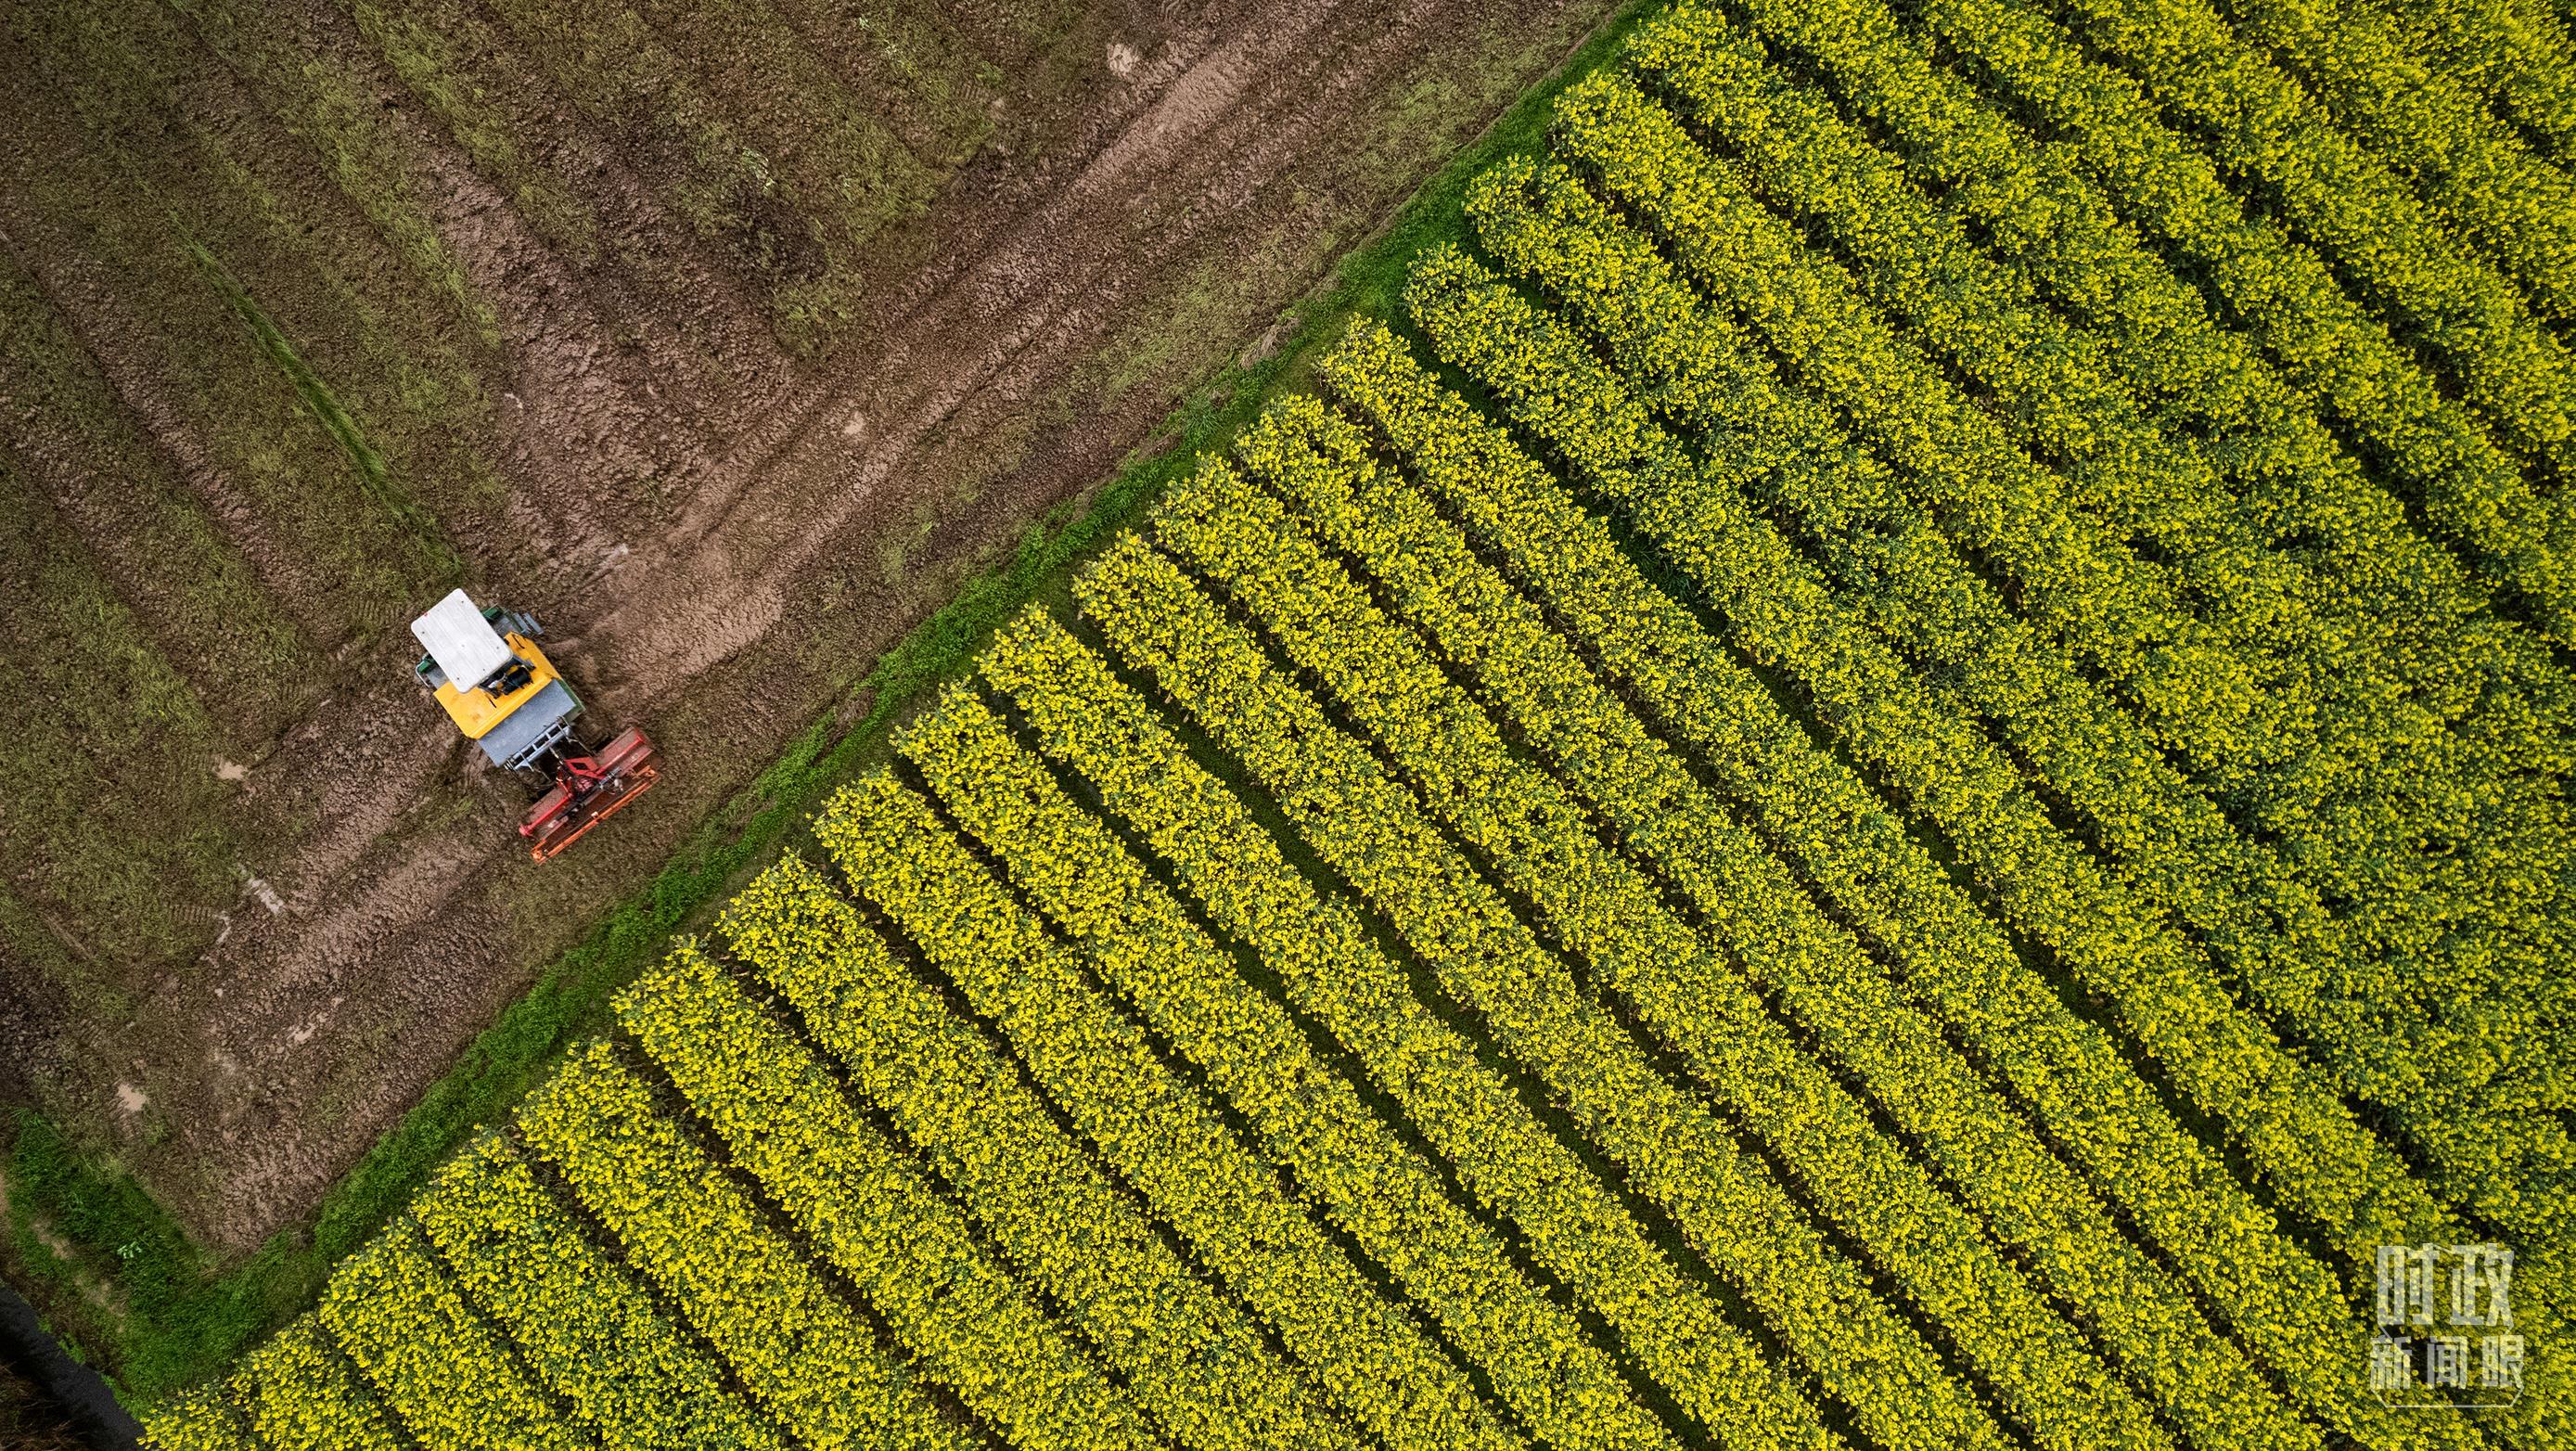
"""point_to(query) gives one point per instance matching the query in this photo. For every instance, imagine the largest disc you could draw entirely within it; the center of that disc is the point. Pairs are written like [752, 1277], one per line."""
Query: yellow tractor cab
[485, 670]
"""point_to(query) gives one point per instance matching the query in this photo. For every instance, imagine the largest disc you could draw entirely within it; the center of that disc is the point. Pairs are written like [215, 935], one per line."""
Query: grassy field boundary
[179, 1318]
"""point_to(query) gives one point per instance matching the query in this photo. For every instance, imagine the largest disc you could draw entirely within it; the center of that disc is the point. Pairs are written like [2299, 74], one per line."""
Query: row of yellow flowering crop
[294, 1393]
[1898, 572]
[2515, 208]
[2496, 683]
[454, 1385]
[1819, 815]
[1188, 1356]
[581, 1322]
[1812, 969]
[2348, 706]
[2513, 53]
[301, 1395]
[1722, 1197]
[2258, 125]
[1609, 914]
[1144, 942]
[2286, 1117]
[800, 1351]
[1104, 1073]
[873, 1217]
[2052, 222]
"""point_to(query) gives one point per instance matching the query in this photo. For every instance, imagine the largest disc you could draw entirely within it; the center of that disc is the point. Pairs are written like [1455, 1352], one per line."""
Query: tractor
[484, 668]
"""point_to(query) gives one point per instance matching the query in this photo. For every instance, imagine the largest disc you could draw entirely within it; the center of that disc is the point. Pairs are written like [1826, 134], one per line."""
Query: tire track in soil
[410, 916]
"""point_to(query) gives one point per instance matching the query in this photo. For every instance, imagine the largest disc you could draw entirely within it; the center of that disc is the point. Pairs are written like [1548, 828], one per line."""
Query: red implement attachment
[588, 790]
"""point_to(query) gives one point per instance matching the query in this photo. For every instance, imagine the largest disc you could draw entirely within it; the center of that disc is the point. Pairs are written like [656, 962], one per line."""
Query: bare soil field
[727, 339]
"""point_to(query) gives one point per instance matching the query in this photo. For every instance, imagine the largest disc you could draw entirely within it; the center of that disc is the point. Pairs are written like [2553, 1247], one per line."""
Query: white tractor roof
[463, 643]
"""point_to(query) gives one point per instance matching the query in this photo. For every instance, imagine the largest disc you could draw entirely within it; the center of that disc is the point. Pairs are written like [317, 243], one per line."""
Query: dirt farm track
[726, 339]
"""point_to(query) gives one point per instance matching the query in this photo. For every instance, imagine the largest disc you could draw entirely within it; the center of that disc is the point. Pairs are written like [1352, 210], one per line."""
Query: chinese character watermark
[2413, 1370]
[2500, 1362]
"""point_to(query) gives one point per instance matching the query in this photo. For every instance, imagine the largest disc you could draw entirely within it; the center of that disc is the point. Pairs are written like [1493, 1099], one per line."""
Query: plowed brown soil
[721, 519]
